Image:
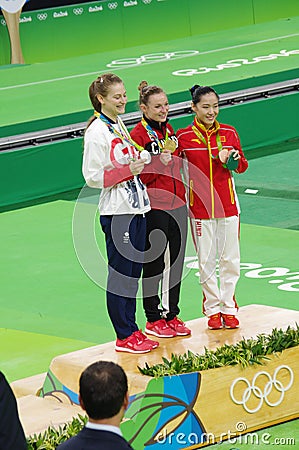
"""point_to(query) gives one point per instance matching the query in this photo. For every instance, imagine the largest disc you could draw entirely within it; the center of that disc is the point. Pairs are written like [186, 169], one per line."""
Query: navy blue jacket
[89, 439]
[12, 436]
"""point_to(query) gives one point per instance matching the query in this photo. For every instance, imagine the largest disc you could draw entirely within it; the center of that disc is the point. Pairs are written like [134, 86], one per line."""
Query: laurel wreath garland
[246, 352]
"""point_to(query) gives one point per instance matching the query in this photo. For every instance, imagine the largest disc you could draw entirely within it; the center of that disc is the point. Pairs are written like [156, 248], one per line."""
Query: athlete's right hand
[137, 167]
[165, 157]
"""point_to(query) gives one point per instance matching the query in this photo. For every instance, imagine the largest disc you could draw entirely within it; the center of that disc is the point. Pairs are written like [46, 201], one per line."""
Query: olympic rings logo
[42, 16]
[152, 58]
[147, 2]
[262, 395]
[112, 5]
[78, 11]
[3, 22]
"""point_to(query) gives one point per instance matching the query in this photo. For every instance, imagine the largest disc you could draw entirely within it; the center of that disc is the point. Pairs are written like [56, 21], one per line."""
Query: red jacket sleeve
[243, 163]
[115, 176]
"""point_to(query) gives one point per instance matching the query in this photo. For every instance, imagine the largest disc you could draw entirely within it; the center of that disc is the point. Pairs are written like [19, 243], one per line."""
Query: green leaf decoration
[246, 352]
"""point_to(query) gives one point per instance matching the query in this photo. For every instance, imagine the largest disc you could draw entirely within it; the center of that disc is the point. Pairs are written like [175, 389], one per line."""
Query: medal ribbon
[123, 134]
[202, 138]
[152, 133]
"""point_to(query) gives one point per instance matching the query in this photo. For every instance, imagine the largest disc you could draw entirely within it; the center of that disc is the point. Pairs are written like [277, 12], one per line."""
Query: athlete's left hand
[235, 153]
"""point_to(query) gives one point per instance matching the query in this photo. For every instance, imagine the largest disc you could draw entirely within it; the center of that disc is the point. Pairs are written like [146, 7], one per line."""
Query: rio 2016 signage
[12, 6]
[153, 58]
[281, 276]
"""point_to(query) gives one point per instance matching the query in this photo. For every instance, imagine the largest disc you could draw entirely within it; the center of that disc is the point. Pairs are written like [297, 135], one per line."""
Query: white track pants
[217, 241]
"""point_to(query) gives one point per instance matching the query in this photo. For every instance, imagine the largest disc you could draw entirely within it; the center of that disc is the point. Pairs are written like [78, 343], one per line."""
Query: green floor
[49, 303]
[56, 93]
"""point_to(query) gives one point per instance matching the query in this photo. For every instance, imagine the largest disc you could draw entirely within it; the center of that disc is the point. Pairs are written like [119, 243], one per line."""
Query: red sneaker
[133, 344]
[179, 327]
[215, 322]
[230, 321]
[160, 328]
[142, 336]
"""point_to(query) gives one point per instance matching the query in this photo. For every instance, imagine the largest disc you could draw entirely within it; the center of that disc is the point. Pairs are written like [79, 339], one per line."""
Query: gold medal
[170, 145]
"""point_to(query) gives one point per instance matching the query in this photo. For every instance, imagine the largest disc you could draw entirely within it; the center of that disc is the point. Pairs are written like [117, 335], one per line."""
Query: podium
[186, 405]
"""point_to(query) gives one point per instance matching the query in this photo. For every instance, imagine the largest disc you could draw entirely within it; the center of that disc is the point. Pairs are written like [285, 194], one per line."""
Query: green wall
[40, 171]
[260, 123]
[49, 169]
[88, 28]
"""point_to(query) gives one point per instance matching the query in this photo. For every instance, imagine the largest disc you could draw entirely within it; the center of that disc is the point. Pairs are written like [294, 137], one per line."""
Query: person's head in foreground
[103, 392]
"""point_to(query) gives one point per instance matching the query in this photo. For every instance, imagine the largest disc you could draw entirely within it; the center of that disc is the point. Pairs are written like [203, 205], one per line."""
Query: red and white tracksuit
[214, 211]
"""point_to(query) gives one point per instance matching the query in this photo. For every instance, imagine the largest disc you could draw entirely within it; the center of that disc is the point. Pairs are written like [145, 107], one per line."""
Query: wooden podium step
[37, 414]
[65, 370]
[60, 387]
[28, 386]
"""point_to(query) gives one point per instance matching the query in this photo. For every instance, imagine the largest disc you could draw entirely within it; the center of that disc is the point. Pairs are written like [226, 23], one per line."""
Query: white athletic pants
[217, 241]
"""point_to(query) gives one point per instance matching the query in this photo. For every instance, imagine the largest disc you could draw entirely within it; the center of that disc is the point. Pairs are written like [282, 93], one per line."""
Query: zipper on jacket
[165, 137]
[174, 187]
[211, 177]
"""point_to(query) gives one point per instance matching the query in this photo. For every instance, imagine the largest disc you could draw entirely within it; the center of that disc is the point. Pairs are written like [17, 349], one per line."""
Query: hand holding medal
[223, 155]
[145, 156]
[169, 145]
[136, 166]
[233, 159]
[168, 149]
[230, 158]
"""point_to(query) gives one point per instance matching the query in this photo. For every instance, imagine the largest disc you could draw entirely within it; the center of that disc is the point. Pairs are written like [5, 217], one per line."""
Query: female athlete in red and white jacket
[212, 151]
[166, 222]
[112, 163]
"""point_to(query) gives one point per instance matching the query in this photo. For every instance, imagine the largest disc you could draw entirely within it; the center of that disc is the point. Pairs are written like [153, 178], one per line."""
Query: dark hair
[198, 91]
[145, 91]
[103, 386]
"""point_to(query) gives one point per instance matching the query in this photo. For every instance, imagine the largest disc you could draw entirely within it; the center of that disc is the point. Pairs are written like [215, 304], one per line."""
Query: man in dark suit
[103, 394]
[12, 436]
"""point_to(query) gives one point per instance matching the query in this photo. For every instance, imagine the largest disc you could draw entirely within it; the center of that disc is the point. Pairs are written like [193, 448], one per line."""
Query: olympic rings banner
[48, 33]
[215, 405]
[12, 6]
[196, 409]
